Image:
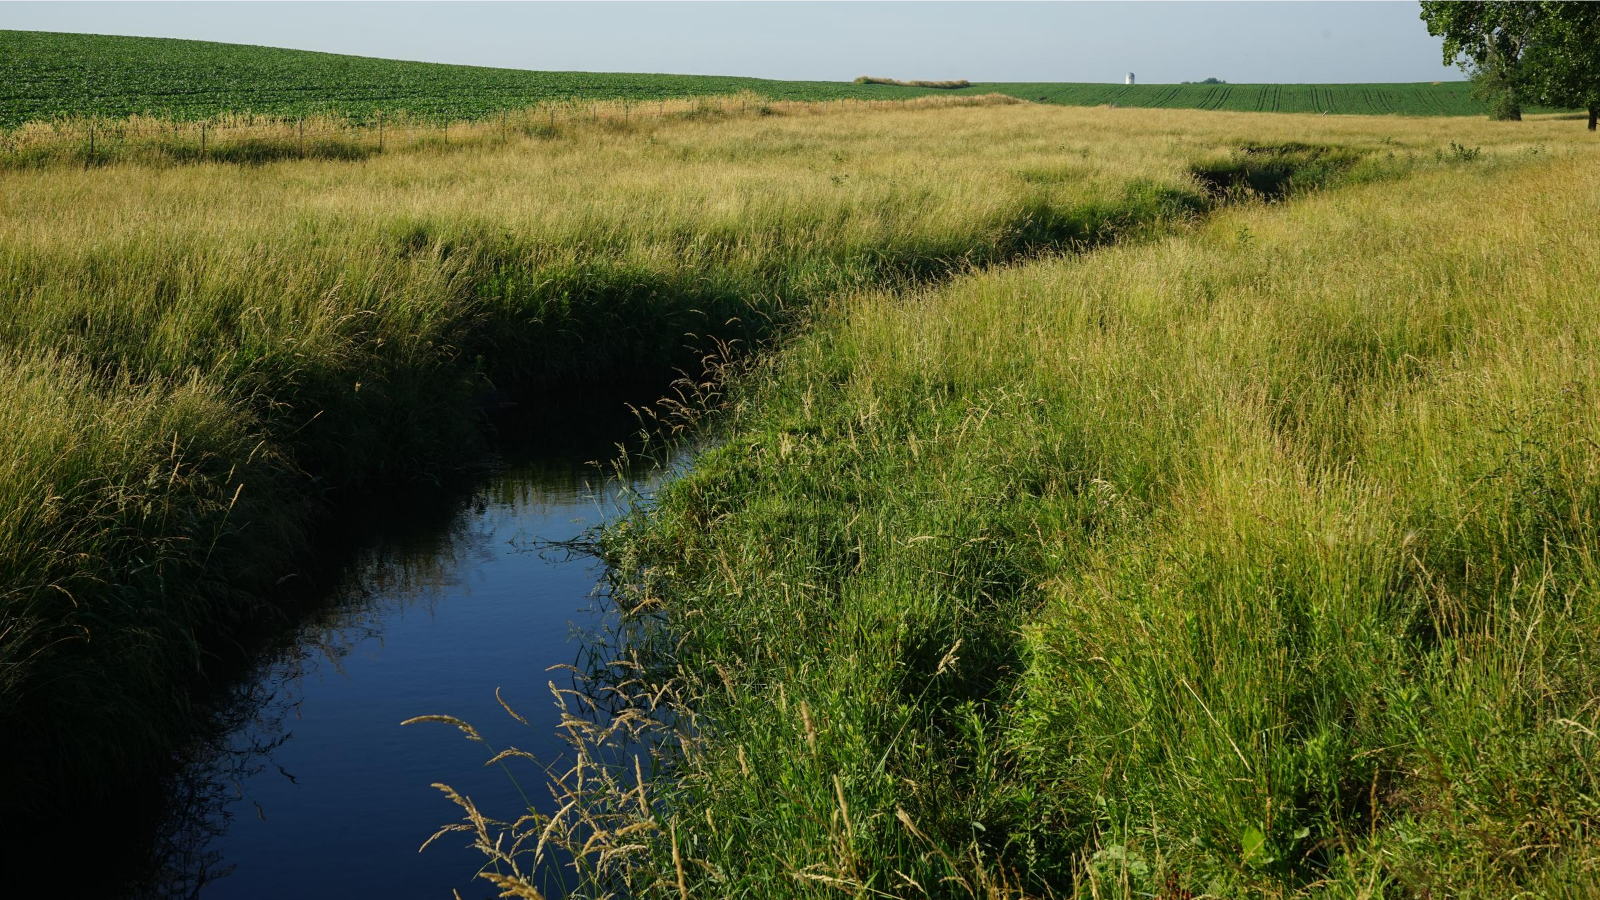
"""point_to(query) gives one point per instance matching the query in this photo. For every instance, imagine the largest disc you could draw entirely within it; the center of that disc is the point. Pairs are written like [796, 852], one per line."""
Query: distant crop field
[46, 75]
[1451, 98]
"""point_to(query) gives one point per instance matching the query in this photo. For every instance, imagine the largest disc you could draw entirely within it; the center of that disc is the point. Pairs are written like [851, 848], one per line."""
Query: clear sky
[990, 41]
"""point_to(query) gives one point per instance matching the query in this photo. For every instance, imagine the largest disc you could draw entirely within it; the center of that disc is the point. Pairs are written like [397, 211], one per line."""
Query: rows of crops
[1422, 99]
[46, 75]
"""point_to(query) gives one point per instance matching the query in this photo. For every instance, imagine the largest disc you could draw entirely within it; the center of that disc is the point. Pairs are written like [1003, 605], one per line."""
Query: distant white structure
[1129, 79]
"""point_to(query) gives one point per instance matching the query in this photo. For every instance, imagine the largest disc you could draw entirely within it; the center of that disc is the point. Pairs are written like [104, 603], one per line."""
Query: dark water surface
[306, 785]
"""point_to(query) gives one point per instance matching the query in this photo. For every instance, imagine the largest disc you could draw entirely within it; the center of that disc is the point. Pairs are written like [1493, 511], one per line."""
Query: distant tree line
[1523, 53]
[948, 85]
[1206, 81]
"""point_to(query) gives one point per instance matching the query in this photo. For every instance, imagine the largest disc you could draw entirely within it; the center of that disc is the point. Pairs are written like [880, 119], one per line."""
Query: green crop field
[47, 75]
[44, 75]
[1421, 99]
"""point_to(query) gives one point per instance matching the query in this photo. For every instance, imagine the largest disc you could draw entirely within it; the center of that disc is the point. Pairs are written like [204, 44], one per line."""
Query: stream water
[305, 784]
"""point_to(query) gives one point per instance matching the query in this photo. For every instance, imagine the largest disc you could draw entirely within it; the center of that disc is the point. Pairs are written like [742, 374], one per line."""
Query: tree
[1547, 52]
[1488, 40]
[1563, 63]
[1497, 89]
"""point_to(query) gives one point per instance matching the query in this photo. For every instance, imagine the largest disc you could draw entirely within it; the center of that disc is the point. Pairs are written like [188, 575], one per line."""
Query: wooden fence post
[202, 138]
[380, 131]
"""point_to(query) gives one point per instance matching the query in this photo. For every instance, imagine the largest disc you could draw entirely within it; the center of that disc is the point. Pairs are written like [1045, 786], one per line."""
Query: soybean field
[1449, 98]
[46, 75]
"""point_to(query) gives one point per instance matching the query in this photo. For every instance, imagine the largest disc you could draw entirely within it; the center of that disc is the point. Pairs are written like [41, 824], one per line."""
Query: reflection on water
[305, 784]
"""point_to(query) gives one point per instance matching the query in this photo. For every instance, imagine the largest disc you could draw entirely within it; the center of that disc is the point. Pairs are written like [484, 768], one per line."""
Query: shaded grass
[126, 522]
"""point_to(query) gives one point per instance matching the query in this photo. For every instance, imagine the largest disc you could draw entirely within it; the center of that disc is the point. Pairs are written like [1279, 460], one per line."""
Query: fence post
[202, 138]
[380, 131]
[86, 159]
[300, 126]
[446, 129]
[503, 135]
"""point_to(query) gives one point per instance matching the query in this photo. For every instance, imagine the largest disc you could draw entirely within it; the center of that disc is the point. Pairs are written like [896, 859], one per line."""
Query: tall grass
[254, 139]
[198, 355]
[132, 511]
[1258, 560]
[327, 325]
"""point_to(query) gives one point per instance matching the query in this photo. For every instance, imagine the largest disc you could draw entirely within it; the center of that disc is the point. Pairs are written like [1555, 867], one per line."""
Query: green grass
[50, 75]
[196, 357]
[1254, 561]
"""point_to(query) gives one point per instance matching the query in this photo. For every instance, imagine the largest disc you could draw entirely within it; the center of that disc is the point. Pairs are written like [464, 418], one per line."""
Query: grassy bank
[198, 356]
[1258, 560]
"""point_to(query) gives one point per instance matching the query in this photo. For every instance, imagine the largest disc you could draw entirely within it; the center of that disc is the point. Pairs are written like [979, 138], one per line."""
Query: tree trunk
[1594, 115]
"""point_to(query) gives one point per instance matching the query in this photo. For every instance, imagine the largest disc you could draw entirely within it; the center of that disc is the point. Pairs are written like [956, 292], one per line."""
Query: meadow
[1092, 521]
[1247, 557]
[51, 76]
[200, 355]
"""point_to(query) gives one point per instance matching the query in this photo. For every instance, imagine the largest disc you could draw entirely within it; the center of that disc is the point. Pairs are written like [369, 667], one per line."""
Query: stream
[304, 783]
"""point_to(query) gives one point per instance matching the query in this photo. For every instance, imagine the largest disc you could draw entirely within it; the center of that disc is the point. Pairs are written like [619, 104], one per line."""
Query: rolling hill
[47, 75]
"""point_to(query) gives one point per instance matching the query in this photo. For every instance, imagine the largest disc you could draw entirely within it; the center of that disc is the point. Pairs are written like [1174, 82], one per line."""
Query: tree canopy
[1563, 66]
[1546, 52]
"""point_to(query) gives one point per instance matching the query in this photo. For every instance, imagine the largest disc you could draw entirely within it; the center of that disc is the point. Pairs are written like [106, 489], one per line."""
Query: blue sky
[1040, 41]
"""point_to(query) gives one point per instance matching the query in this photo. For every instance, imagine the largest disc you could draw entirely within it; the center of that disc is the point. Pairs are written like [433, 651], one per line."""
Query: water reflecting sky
[307, 785]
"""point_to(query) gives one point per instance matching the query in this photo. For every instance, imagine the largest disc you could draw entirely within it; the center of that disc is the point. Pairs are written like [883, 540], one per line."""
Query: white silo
[1129, 79]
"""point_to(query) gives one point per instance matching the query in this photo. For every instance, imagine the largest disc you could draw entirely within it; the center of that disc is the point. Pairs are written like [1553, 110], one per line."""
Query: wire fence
[256, 139]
